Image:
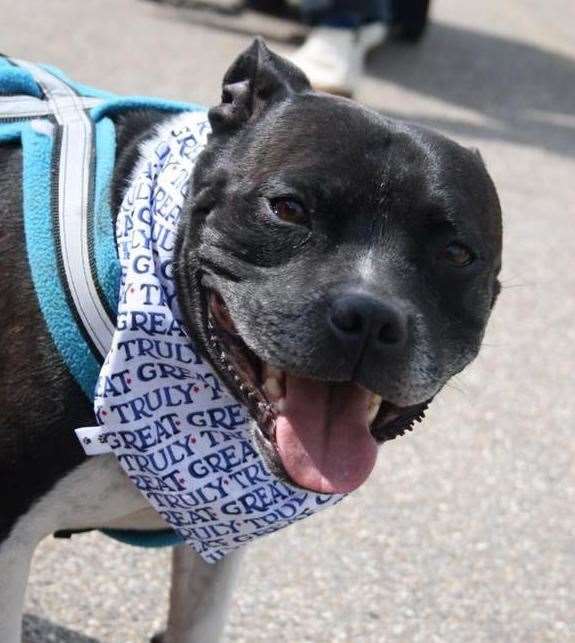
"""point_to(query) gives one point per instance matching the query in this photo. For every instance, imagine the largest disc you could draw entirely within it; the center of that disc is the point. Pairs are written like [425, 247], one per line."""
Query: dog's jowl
[210, 320]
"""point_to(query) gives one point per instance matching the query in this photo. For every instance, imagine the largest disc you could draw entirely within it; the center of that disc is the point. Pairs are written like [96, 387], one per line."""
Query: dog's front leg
[199, 597]
[15, 558]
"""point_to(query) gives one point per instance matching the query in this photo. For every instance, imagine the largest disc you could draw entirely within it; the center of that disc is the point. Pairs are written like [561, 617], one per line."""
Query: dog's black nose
[360, 320]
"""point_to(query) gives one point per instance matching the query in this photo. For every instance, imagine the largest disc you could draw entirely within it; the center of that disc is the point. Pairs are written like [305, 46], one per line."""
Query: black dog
[335, 266]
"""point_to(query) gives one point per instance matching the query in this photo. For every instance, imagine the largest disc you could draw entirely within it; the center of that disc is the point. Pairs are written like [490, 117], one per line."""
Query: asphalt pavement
[465, 530]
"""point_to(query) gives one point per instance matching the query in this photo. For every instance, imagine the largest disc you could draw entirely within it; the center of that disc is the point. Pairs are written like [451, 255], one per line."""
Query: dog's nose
[361, 320]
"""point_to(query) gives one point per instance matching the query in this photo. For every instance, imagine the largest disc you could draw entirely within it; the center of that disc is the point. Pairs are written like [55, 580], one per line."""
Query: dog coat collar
[178, 433]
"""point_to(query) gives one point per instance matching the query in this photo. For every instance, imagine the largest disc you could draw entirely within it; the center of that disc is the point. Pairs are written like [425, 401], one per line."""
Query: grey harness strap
[75, 155]
[32, 107]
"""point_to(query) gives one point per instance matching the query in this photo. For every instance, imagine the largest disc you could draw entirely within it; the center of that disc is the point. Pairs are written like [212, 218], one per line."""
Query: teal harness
[68, 141]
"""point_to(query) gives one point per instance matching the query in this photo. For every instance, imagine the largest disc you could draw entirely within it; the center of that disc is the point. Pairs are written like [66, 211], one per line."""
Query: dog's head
[335, 266]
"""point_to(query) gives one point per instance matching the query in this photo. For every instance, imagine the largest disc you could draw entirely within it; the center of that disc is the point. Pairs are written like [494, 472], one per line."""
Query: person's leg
[334, 52]
[346, 13]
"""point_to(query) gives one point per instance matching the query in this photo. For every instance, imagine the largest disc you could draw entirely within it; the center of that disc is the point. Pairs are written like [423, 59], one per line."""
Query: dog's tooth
[375, 400]
[373, 408]
[281, 405]
[372, 414]
[273, 388]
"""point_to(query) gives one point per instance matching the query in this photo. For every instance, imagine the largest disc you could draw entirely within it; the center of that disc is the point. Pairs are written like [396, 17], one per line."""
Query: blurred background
[465, 530]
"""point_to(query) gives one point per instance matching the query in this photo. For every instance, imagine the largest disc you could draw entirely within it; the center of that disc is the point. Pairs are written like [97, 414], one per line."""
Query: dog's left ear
[497, 283]
[257, 79]
[496, 291]
[477, 153]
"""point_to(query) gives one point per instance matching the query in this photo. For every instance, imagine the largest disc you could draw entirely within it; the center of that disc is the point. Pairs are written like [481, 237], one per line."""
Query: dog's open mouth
[324, 435]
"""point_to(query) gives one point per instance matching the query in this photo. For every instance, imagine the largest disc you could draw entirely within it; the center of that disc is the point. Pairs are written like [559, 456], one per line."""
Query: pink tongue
[323, 437]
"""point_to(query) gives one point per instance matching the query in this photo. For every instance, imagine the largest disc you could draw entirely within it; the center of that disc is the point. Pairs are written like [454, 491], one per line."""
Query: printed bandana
[177, 432]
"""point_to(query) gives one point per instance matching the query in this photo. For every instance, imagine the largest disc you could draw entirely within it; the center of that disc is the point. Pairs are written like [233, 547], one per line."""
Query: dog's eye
[289, 210]
[457, 254]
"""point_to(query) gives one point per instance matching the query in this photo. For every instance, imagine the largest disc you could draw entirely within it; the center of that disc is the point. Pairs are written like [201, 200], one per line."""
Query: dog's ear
[496, 292]
[257, 79]
[477, 153]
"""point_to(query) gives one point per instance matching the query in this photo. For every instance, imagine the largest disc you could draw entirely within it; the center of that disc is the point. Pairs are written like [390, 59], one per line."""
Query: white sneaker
[333, 58]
